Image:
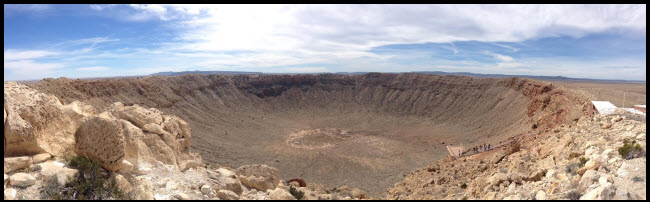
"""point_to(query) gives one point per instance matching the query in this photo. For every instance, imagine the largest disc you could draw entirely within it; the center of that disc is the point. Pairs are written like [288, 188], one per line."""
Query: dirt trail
[396, 122]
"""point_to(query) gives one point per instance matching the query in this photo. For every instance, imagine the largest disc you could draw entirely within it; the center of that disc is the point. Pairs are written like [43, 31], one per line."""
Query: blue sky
[76, 41]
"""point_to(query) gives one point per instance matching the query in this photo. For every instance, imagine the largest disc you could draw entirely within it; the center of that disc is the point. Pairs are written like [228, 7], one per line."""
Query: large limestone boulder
[138, 139]
[260, 177]
[166, 138]
[35, 123]
[101, 137]
[22, 180]
[15, 163]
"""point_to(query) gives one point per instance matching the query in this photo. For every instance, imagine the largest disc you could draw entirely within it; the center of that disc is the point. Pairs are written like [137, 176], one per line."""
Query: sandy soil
[635, 93]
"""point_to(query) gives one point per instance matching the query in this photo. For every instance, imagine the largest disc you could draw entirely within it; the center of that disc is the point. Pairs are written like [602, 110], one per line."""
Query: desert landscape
[324, 102]
[395, 122]
[613, 92]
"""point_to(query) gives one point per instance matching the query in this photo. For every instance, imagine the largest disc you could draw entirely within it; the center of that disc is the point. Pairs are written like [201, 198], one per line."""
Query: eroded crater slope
[394, 122]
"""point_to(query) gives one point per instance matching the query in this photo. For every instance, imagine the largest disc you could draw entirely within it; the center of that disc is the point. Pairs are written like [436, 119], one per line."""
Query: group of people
[481, 148]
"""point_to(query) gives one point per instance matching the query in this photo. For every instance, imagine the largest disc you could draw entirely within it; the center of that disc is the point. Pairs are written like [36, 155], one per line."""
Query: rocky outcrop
[260, 177]
[578, 161]
[35, 123]
[137, 137]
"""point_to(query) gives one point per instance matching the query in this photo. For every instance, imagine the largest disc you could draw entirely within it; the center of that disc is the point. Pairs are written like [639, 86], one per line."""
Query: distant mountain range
[549, 78]
[201, 72]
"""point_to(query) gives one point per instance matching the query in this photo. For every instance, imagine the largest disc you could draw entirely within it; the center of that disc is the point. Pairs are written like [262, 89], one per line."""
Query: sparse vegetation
[629, 149]
[31, 169]
[88, 184]
[463, 186]
[638, 179]
[51, 189]
[296, 193]
[583, 161]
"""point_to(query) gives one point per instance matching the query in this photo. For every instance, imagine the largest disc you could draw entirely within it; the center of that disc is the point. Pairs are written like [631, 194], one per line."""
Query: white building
[603, 107]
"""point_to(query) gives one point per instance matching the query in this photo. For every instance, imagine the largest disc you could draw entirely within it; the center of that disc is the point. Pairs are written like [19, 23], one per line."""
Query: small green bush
[638, 179]
[88, 184]
[296, 193]
[583, 161]
[463, 186]
[629, 149]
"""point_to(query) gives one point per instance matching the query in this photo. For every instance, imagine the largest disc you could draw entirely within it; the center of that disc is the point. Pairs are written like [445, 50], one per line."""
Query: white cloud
[504, 58]
[28, 69]
[268, 36]
[100, 7]
[28, 54]
[333, 32]
[93, 69]
[93, 41]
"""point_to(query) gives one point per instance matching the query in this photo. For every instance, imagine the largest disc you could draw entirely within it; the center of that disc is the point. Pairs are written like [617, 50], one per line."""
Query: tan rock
[227, 195]
[123, 184]
[154, 128]
[126, 167]
[22, 180]
[180, 130]
[512, 197]
[537, 175]
[41, 157]
[541, 195]
[78, 110]
[354, 192]
[590, 165]
[182, 196]
[16, 163]
[588, 178]
[143, 194]
[50, 169]
[225, 179]
[497, 178]
[143, 190]
[10, 194]
[205, 189]
[137, 115]
[260, 177]
[101, 137]
[604, 192]
[35, 123]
